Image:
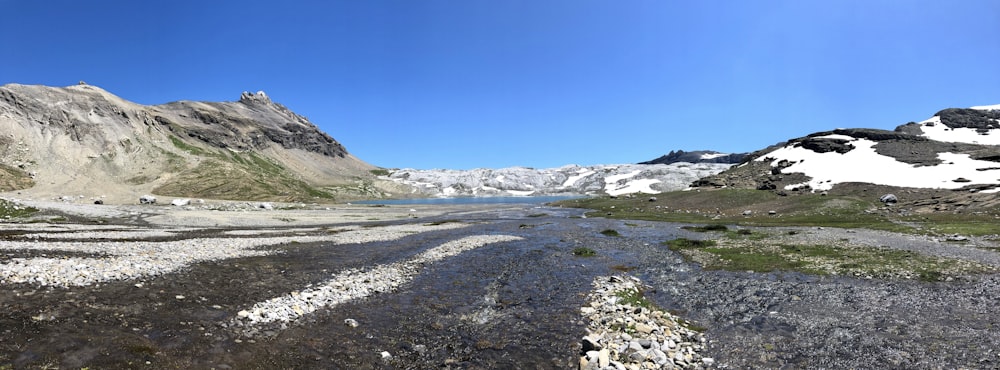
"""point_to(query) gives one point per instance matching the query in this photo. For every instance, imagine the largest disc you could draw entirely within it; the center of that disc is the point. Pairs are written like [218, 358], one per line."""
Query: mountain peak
[259, 97]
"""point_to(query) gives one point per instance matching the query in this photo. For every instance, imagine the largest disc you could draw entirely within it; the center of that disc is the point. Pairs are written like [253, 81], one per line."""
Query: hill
[84, 142]
[698, 156]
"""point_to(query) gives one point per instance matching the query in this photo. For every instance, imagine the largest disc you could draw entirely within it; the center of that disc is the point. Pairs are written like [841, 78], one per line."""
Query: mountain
[83, 141]
[566, 180]
[698, 156]
[948, 156]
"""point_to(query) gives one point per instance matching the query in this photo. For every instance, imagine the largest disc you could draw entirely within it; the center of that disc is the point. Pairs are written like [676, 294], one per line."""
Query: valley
[231, 285]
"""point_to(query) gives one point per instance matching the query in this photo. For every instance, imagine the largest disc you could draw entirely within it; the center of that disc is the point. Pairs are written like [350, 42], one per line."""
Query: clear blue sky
[466, 84]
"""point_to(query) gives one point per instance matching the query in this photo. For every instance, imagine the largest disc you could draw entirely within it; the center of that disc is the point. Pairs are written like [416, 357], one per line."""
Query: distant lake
[473, 200]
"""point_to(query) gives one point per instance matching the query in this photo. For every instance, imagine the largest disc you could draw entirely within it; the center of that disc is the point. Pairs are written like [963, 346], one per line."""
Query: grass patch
[584, 252]
[865, 262]
[706, 228]
[636, 298]
[536, 215]
[726, 206]
[380, 172]
[186, 147]
[442, 222]
[610, 232]
[9, 210]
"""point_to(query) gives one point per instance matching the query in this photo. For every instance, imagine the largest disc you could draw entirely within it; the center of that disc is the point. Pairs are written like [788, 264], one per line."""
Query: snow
[713, 155]
[836, 137]
[863, 164]
[635, 186]
[986, 107]
[615, 178]
[573, 179]
[938, 131]
[521, 193]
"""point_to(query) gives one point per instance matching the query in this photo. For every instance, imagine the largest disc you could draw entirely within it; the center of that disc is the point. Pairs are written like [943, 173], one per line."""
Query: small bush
[584, 252]
[610, 232]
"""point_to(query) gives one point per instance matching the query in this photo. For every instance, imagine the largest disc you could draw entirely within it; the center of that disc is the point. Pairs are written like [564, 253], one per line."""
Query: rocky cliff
[84, 141]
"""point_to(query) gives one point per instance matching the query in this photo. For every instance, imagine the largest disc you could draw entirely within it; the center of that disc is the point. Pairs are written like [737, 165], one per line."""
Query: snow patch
[713, 155]
[986, 107]
[635, 186]
[863, 164]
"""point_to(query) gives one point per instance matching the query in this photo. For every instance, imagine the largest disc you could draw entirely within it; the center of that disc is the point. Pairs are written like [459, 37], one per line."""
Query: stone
[98, 202]
[652, 199]
[888, 199]
[603, 358]
[147, 199]
[643, 328]
[180, 202]
[265, 205]
[747, 212]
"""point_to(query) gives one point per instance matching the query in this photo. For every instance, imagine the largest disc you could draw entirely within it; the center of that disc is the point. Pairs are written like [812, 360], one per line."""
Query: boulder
[180, 202]
[147, 199]
[267, 206]
[888, 199]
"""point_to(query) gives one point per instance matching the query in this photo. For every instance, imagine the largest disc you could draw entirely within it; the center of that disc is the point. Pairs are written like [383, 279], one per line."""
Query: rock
[180, 202]
[265, 205]
[98, 201]
[652, 199]
[888, 199]
[147, 199]
[351, 323]
[603, 358]
[772, 213]
[747, 212]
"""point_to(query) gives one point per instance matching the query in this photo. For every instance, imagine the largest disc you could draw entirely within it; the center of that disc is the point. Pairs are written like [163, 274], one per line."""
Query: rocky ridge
[84, 140]
[698, 156]
[954, 151]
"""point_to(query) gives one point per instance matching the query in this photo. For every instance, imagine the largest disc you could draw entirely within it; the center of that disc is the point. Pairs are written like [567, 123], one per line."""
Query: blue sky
[467, 84]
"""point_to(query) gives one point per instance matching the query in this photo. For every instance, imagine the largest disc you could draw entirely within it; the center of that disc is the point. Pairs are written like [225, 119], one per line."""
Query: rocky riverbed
[495, 286]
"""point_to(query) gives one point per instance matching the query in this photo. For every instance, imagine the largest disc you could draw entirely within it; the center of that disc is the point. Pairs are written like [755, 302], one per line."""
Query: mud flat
[234, 285]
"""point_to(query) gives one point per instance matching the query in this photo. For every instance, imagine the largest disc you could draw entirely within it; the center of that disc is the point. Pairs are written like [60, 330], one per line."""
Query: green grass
[706, 228]
[584, 252]
[636, 298]
[726, 206]
[380, 172]
[9, 210]
[823, 260]
[186, 147]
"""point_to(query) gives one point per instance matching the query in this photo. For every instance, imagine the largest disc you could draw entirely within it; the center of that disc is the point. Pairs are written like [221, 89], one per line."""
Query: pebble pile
[354, 284]
[622, 336]
[126, 260]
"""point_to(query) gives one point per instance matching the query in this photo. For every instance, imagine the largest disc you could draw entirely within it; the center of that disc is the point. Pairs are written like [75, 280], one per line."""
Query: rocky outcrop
[698, 156]
[950, 152]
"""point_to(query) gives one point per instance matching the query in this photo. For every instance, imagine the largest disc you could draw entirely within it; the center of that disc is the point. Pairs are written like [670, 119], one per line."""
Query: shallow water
[505, 305]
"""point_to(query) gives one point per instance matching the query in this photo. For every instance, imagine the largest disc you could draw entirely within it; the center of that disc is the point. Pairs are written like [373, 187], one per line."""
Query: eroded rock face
[81, 138]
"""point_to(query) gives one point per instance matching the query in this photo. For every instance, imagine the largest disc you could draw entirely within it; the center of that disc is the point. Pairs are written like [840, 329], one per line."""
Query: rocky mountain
[85, 142]
[566, 180]
[942, 161]
[698, 156]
